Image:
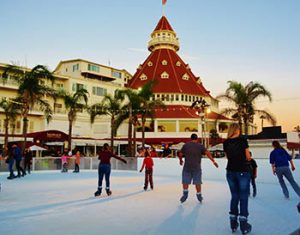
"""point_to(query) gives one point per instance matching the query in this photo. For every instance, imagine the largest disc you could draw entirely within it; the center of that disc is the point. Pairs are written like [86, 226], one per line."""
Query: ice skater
[148, 165]
[64, 161]
[238, 177]
[17, 153]
[104, 169]
[279, 158]
[253, 174]
[77, 161]
[192, 152]
[27, 160]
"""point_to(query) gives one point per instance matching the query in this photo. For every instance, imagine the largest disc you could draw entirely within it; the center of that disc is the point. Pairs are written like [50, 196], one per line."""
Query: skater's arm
[248, 154]
[208, 154]
[292, 165]
[119, 158]
[274, 169]
[142, 168]
[180, 155]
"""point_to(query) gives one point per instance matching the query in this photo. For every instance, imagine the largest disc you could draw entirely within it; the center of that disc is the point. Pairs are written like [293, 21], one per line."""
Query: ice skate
[199, 197]
[108, 192]
[245, 226]
[184, 196]
[98, 192]
[233, 223]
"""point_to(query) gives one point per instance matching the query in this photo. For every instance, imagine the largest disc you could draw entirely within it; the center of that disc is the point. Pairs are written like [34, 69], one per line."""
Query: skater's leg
[146, 179]
[151, 178]
[100, 176]
[234, 190]
[186, 181]
[18, 168]
[279, 173]
[244, 182]
[289, 176]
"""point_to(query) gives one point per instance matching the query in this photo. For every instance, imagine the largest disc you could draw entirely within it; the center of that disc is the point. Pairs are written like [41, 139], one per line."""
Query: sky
[221, 40]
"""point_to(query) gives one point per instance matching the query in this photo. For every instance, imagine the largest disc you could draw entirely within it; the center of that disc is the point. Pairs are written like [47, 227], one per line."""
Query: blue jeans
[10, 166]
[104, 170]
[239, 183]
[285, 171]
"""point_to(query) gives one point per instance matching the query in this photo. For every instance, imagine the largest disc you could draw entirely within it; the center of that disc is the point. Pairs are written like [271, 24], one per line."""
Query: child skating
[148, 165]
[64, 161]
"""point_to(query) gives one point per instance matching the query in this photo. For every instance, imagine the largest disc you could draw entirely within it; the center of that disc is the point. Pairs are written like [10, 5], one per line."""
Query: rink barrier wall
[86, 163]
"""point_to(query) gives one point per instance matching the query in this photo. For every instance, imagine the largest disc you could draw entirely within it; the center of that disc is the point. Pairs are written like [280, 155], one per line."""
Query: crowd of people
[241, 170]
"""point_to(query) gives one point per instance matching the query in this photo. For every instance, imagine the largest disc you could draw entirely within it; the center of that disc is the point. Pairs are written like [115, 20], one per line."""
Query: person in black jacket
[238, 177]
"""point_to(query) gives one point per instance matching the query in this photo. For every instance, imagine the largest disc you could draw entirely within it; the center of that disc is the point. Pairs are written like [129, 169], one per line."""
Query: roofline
[86, 61]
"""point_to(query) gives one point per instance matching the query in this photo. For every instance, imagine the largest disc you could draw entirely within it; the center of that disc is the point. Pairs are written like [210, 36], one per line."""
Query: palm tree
[111, 106]
[243, 98]
[32, 91]
[11, 109]
[73, 104]
[139, 105]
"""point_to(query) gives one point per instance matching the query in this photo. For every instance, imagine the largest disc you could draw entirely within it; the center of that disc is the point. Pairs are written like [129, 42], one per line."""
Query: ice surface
[50, 202]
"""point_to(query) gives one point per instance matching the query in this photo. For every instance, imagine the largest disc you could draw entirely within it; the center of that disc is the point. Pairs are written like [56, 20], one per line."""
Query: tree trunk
[112, 130]
[70, 132]
[134, 137]
[130, 132]
[143, 131]
[25, 127]
[6, 126]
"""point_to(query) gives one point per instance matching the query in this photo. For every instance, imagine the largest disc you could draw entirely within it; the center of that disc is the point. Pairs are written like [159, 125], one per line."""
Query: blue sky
[222, 40]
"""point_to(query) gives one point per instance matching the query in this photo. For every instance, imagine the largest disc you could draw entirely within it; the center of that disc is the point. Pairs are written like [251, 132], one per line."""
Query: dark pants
[76, 168]
[104, 171]
[65, 167]
[239, 183]
[148, 178]
[27, 166]
[19, 168]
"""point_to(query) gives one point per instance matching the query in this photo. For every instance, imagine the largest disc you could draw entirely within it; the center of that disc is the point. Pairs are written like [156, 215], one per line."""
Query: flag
[164, 2]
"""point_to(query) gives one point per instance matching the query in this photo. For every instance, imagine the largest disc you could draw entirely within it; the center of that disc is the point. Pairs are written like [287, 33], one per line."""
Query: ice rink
[50, 202]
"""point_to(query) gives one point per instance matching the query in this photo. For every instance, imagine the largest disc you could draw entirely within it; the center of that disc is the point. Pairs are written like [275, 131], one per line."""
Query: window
[172, 97]
[188, 126]
[178, 63]
[166, 126]
[150, 64]
[116, 74]
[94, 68]
[58, 108]
[77, 86]
[185, 76]
[177, 97]
[99, 91]
[182, 97]
[143, 77]
[164, 62]
[75, 67]
[59, 85]
[164, 75]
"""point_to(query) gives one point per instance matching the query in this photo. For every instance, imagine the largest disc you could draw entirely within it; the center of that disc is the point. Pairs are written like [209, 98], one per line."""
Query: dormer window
[185, 77]
[164, 62]
[178, 63]
[164, 75]
[143, 77]
[150, 63]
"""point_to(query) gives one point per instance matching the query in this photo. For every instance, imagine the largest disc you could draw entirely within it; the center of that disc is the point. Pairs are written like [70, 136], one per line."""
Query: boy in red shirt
[148, 164]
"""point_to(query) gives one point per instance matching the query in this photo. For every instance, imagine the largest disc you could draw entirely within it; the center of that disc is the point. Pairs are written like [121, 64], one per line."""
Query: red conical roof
[163, 24]
[180, 77]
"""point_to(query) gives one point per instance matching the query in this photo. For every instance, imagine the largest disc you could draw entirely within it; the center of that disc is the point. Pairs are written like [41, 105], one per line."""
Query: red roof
[175, 68]
[163, 24]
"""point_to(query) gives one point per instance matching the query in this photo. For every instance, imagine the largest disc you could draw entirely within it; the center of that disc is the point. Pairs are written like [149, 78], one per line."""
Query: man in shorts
[192, 152]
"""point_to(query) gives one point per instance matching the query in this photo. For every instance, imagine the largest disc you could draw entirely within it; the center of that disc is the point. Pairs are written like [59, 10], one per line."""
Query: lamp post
[201, 106]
